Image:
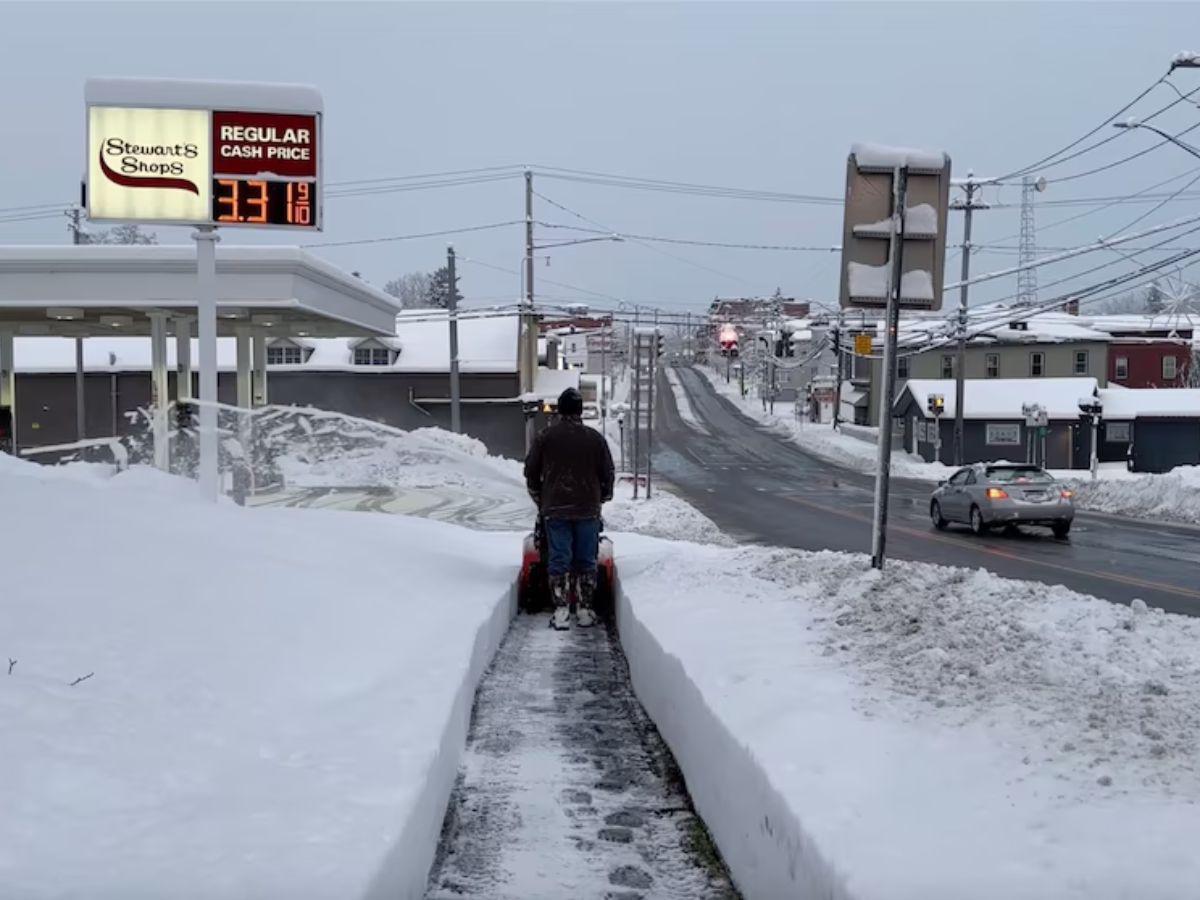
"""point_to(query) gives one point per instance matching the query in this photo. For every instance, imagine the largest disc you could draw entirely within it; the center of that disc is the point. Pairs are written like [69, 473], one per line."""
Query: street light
[1133, 123]
[1185, 61]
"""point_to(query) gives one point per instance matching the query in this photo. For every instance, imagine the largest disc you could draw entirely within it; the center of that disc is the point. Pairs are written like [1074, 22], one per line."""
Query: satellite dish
[1040, 184]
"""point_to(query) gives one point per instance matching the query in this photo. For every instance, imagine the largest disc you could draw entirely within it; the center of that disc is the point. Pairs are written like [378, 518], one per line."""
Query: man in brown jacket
[569, 474]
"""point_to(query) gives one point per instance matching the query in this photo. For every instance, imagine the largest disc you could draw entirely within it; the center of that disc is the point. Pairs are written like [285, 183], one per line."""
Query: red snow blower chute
[533, 588]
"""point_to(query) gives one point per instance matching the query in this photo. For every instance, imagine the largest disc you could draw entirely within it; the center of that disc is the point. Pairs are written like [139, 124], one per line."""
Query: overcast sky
[752, 96]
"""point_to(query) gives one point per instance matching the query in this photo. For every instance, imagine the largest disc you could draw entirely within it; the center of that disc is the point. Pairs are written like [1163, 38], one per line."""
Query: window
[1081, 362]
[1004, 435]
[992, 361]
[960, 477]
[1169, 368]
[947, 366]
[1037, 366]
[902, 367]
[284, 356]
[372, 356]
[1018, 474]
[1122, 368]
[1116, 432]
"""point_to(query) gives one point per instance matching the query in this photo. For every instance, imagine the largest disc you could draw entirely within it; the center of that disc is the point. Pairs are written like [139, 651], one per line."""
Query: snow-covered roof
[1045, 329]
[549, 383]
[484, 345]
[1134, 403]
[1002, 398]
[177, 93]
[1144, 323]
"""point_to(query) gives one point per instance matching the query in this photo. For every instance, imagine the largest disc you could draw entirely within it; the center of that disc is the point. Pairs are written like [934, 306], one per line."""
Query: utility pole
[637, 406]
[838, 337]
[650, 410]
[452, 311]
[891, 329]
[529, 323]
[80, 398]
[960, 362]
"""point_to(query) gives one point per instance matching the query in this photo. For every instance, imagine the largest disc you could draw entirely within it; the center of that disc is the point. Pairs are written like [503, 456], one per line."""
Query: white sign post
[210, 154]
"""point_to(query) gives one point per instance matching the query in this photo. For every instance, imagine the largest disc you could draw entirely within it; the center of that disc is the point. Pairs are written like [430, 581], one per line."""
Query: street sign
[203, 153]
[869, 222]
[862, 345]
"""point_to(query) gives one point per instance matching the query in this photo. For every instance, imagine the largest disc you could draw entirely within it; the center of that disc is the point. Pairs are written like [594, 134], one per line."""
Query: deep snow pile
[933, 733]
[273, 701]
[664, 515]
[1174, 495]
[312, 447]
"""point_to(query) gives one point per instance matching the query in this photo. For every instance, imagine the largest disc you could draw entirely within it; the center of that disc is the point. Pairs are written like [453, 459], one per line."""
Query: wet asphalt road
[761, 488]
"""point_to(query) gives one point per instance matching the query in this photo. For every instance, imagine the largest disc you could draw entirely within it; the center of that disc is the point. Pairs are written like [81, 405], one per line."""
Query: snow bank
[1173, 495]
[682, 403]
[935, 733]
[846, 448]
[275, 701]
[664, 515]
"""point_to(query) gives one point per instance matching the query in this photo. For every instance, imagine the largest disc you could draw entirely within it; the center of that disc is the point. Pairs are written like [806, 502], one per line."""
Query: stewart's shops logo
[147, 165]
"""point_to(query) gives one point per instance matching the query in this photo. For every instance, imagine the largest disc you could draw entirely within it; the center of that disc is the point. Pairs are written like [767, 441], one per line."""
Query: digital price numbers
[246, 201]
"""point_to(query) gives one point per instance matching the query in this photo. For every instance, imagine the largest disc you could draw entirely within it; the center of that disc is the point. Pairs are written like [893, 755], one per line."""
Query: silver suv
[988, 495]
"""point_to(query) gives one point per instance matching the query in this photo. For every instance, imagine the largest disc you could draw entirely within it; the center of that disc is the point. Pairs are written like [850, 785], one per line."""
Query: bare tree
[119, 234]
[412, 290]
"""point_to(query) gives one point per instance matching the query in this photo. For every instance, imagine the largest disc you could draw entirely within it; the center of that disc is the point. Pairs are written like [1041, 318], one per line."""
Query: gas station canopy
[89, 290]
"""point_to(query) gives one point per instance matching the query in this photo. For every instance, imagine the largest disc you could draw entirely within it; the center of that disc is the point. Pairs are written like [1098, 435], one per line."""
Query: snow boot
[560, 590]
[585, 591]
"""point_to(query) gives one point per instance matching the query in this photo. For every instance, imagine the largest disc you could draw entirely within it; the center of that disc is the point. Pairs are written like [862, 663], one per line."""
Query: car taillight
[997, 494]
[1067, 495]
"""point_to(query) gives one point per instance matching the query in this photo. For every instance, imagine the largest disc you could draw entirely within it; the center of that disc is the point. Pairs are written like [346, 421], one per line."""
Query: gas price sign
[154, 156]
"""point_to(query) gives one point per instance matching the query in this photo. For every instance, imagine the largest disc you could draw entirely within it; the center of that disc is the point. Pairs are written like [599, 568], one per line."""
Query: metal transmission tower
[1027, 248]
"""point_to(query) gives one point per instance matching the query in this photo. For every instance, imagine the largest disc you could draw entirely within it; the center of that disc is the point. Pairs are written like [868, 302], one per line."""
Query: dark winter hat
[570, 403]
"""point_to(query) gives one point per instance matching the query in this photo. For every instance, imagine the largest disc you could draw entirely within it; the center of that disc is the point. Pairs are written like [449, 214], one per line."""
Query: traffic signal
[185, 415]
[785, 344]
[937, 404]
[660, 344]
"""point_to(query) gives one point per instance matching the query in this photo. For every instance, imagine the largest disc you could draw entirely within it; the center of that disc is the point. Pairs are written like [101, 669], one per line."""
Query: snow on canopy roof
[484, 345]
[1136, 403]
[881, 156]
[178, 93]
[1002, 398]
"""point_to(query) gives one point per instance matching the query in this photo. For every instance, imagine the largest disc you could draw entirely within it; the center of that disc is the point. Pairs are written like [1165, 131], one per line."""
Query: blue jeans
[574, 544]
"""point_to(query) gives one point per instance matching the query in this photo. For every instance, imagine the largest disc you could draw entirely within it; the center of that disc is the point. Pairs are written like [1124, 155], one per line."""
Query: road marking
[1015, 557]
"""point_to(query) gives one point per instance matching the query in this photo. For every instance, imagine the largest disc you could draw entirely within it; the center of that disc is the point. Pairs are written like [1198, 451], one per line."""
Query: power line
[429, 175]
[1076, 251]
[409, 237]
[691, 242]
[1123, 160]
[684, 187]
[1079, 140]
[658, 250]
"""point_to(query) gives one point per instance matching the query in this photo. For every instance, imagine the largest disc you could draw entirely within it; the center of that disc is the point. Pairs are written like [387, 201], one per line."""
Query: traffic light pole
[892, 319]
[452, 315]
[637, 406]
[650, 411]
[837, 387]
